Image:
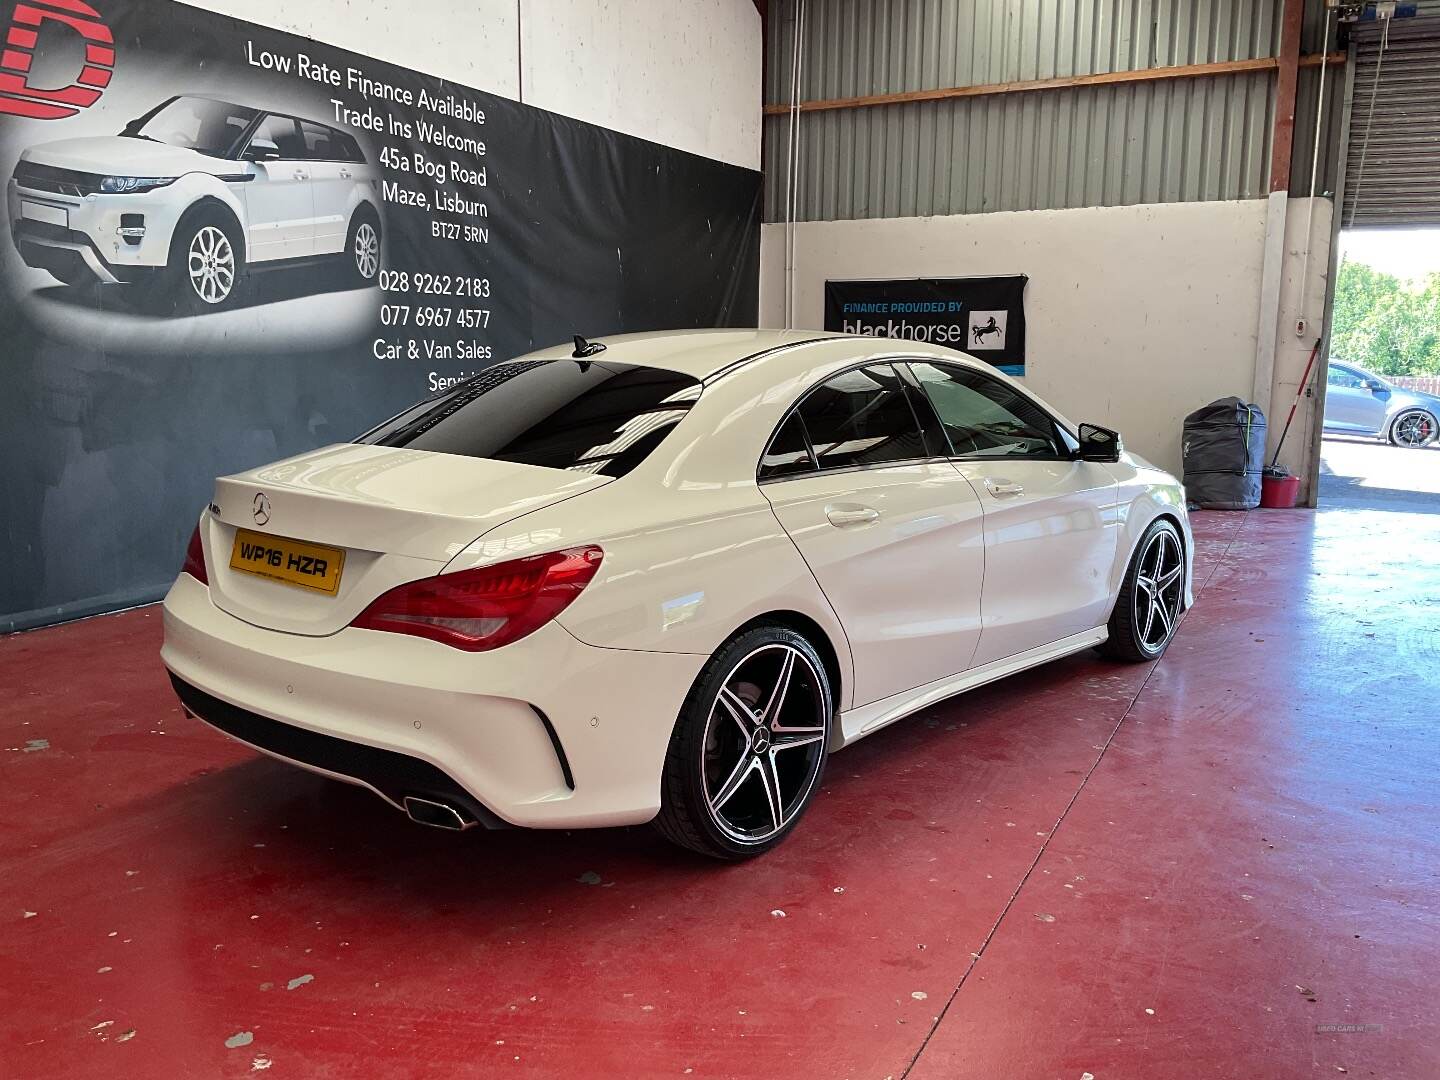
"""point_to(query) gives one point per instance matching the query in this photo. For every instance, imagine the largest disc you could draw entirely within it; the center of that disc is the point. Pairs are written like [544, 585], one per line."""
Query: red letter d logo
[18, 97]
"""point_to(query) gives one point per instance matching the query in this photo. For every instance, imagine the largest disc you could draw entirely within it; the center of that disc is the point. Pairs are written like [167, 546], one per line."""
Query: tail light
[485, 608]
[195, 558]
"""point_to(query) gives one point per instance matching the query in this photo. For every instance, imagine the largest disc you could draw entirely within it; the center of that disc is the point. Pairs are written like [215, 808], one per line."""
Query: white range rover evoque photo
[192, 195]
[664, 577]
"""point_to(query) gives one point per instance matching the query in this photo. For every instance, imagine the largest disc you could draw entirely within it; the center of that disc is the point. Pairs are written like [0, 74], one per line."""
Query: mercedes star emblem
[260, 510]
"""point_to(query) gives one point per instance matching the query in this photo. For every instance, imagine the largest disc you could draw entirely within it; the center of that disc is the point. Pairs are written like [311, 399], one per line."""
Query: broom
[1304, 382]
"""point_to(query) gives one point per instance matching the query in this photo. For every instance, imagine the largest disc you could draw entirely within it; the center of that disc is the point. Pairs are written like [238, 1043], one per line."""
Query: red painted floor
[1223, 865]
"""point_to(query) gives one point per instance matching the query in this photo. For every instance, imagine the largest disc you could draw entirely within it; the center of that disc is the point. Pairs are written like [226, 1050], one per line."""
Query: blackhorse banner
[984, 316]
[225, 244]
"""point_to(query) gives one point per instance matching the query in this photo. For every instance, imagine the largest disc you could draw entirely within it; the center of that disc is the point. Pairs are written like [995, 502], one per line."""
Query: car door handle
[842, 516]
[1003, 489]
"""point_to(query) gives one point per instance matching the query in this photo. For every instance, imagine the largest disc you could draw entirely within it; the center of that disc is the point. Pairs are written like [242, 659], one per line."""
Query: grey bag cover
[1223, 451]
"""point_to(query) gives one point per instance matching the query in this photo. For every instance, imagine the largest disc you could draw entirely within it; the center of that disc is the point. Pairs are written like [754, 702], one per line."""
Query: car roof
[217, 99]
[704, 354]
[697, 353]
[753, 376]
[1351, 365]
[261, 109]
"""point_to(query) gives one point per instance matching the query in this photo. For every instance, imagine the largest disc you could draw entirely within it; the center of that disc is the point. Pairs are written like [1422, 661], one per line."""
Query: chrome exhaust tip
[437, 815]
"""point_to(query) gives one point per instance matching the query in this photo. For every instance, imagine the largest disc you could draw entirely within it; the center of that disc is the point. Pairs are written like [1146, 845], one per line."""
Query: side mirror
[262, 150]
[1099, 444]
[1375, 386]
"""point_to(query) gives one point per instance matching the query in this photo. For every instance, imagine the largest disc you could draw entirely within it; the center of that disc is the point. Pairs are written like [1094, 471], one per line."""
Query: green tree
[1387, 325]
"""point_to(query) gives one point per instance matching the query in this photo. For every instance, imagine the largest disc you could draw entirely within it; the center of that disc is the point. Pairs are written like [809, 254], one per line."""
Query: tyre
[749, 747]
[1151, 597]
[206, 263]
[362, 247]
[1413, 428]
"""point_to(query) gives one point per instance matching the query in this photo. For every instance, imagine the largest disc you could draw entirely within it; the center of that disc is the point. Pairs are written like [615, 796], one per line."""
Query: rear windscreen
[601, 418]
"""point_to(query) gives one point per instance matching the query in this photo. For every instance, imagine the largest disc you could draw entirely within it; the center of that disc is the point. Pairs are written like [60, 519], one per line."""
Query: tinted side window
[320, 143]
[985, 418]
[346, 146]
[861, 417]
[284, 133]
[934, 431]
[1340, 377]
[789, 451]
[561, 414]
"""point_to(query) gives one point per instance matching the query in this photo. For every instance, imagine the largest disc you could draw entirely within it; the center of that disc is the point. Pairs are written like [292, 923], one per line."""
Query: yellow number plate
[293, 562]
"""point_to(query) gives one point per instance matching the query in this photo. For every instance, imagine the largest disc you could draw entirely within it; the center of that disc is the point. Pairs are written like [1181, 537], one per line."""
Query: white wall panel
[684, 73]
[1134, 315]
[1302, 298]
[472, 43]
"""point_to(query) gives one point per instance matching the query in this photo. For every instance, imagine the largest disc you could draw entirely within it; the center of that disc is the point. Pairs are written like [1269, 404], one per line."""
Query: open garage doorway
[1381, 442]
[1381, 446]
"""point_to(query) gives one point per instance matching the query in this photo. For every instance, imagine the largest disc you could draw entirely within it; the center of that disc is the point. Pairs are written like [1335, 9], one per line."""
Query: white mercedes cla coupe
[663, 577]
[192, 195]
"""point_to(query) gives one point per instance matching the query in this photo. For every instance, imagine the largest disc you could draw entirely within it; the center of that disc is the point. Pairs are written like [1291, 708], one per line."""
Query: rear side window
[559, 414]
[789, 451]
[347, 149]
[320, 144]
[857, 418]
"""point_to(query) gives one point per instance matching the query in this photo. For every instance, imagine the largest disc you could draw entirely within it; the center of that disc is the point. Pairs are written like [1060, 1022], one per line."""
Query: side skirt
[868, 719]
[295, 263]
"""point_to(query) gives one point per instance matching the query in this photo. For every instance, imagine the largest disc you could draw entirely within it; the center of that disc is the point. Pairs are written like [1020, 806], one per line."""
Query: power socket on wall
[1300, 326]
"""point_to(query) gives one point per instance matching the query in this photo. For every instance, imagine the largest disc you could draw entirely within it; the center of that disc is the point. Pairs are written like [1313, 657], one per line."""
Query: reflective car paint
[266, 198]
[1374, 406]
[693, 551]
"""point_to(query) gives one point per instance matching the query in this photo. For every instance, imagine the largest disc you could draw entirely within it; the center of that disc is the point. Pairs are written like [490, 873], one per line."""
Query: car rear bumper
[547, 732]
[394, 777]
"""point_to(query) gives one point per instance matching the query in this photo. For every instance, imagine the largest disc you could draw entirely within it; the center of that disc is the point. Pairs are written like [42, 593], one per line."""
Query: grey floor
[1363, 473]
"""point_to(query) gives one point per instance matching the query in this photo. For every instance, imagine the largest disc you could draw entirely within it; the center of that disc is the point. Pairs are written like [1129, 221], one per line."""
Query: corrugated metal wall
[1313, 41]
[1181, 140]
[1392, 176]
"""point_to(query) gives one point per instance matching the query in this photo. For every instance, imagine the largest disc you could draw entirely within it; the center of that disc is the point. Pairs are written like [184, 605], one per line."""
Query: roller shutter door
[1392, 175]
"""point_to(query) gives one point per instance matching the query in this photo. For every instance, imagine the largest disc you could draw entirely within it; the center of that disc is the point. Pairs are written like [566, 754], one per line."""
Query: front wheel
[1151, 597]
[205, 265]
[1413, 429]
[749, 748]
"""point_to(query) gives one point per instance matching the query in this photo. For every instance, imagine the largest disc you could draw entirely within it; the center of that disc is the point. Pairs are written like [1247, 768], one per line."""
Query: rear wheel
[1414, 428]
[749, 747]
[362, 247]
[1151, 597]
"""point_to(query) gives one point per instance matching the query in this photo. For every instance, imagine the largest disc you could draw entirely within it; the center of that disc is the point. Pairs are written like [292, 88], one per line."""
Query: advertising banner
[984, 316]
[225, 244]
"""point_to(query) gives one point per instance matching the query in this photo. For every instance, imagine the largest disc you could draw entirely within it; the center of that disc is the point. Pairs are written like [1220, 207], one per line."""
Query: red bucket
[1279, 492]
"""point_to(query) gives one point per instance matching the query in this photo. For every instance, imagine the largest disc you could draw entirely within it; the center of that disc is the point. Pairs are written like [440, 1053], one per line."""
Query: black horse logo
[980, 332]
